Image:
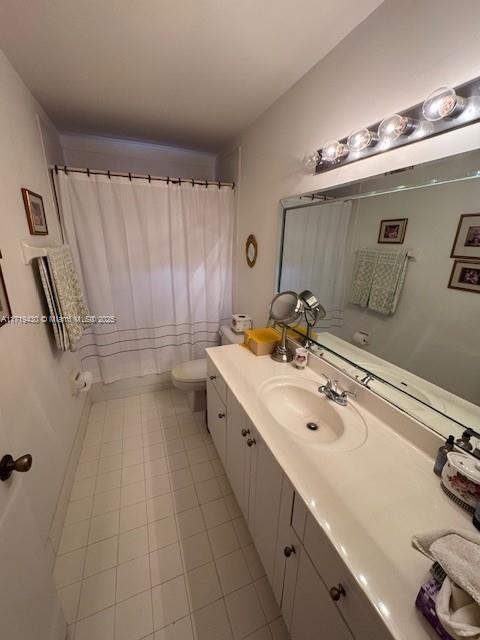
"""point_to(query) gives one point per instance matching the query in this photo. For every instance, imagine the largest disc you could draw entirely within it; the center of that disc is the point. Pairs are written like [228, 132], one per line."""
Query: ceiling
[193, 73]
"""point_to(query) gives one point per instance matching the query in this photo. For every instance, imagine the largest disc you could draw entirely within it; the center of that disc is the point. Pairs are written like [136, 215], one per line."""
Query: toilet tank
[228, 336]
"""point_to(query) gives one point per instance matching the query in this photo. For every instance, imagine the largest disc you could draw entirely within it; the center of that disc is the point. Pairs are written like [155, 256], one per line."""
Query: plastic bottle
[441, 458]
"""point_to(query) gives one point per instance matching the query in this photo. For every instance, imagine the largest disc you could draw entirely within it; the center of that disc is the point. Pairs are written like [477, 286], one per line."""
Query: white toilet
[191, 376]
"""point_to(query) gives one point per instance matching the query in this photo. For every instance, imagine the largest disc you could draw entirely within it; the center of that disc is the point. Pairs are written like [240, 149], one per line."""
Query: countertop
[370, 501]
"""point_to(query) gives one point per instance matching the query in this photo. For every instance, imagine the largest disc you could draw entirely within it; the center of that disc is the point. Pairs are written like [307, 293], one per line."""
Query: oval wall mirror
[251, 250]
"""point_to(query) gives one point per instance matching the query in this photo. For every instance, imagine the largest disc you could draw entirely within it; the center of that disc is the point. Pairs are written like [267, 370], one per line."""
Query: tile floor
[154, 545]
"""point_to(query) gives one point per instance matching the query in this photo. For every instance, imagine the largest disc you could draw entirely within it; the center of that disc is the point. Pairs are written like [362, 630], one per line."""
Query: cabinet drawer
[355, 607]
[217, 420]
[218, 382]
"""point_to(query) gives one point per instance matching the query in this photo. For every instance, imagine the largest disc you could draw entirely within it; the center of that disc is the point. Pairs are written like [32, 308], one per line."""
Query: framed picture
[37, 221]
[392, 231]
[467, 239]
[465, 276]
[5, 311]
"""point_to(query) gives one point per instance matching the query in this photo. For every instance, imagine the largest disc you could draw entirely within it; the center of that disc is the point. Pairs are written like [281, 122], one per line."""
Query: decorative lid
[466, 465]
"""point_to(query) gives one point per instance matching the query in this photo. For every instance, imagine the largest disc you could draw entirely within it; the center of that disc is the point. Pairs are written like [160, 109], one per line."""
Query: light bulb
[391, 128]
[334, 150]
[361, 139]
[443, 103]
[311, 160]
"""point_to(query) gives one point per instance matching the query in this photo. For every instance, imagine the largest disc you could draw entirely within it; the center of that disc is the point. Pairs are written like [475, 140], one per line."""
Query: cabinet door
[266, 479]
[239, 430]
[309, 611]
[217, 419]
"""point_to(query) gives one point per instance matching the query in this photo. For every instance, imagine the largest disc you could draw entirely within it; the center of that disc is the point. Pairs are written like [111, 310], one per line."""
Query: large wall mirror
[397, 268]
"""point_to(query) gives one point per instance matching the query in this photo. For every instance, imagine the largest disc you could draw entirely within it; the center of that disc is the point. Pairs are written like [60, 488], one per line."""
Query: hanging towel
[363, 271]
[387, 282]
[458, 602]
[65, 300]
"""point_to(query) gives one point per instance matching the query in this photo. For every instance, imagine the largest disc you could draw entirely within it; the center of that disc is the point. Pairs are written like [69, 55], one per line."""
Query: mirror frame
[251, 242]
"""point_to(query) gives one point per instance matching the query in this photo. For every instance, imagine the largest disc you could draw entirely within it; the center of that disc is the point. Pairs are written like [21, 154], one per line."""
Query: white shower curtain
[313, 256]
[157, 257]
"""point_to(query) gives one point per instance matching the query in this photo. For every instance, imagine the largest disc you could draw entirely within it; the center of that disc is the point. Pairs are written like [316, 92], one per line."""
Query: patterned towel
[66, 303]
[365, 263]
[387, 283]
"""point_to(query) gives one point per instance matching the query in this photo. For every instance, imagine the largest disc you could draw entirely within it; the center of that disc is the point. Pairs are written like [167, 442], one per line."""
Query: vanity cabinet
[217, 419]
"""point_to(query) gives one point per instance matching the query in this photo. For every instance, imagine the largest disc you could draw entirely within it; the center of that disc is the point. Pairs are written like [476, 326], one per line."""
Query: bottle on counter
[464, 442]
[441, 458]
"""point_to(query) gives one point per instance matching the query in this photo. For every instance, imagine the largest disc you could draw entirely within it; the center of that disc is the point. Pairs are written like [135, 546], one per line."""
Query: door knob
[8, 465]
[245, 432]
[287, 552]
[251, 442]
[221, 415]
[337, 592]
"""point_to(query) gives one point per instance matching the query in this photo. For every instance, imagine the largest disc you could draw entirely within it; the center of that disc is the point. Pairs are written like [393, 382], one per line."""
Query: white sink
[297, 405]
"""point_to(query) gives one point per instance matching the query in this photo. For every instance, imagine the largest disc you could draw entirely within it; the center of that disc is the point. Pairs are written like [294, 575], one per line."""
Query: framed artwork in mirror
[467, 238]
[392, 231]
[37, 220]
[251, 250]
[5, 311]
[465, 276]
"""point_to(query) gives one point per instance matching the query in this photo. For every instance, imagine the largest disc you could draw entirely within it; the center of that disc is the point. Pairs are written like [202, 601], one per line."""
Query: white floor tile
[105, 502]
[110, 463]
[104, 526]
[133, 517]
[154, 451]
[181, 478]
[131, 458]
[86, 470]
[97, 627]
[133, 577]
[233, 572]
[83, 488]
[172, 433]
[177, 461]
[190, 522]
[90, 453]
[108, 481]
[241, 529]
[223, 539]
[211, 622]
[193, 441]
[156, 467]
[162, 533]
[203, 586]
[111, 448]
[159, 507]
[69, 597]
[179, 630]
[157, 486]
[232, 506]
[197, 455]
[184, 499]
[203, 471]
[279, 630]
[215, 513]
[153, 437]
[98, 592]
[196, 551]
[165, 564]
[101, 556]
[261, 634]
[132, 443]
[69, 568]
[225, 486]
[253, 562]
[132, 493]
[74, 536]
[132, 544]
[170, 602]
[174, 446]
[208, 490]
[133, 617]
[135, 473]
[218, 467]
[267, 599]
[244, 610]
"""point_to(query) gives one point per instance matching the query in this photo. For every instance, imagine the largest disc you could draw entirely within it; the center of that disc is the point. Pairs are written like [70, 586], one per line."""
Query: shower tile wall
[154, 544]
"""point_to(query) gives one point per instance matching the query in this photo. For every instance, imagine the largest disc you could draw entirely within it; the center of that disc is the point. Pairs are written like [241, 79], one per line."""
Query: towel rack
[412, 254]
[30, 252]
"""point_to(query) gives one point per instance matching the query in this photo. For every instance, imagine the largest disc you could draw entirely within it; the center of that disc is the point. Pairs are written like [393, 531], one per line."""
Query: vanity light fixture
[391, 128]
[334, 150]
[443, 103]
[360, 139]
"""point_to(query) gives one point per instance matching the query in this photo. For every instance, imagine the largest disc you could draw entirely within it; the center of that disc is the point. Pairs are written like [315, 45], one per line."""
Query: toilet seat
[193, 371]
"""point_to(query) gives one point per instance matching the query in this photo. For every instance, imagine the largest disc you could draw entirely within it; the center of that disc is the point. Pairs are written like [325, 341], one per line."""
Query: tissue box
[425, 602]
[241, 322]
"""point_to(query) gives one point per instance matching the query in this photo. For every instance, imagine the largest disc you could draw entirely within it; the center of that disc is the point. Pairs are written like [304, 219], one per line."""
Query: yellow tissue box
[261, 341]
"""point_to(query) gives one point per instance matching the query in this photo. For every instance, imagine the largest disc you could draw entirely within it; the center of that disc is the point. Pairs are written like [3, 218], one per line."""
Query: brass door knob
[337, 592]
[8, 465]
[251, 442]
[245, 432]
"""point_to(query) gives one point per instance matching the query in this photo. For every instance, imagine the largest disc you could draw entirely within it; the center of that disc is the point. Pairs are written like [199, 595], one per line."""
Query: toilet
[191, 376]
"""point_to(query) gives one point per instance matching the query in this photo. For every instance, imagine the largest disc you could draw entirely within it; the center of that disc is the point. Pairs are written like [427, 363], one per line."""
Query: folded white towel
[458, 603]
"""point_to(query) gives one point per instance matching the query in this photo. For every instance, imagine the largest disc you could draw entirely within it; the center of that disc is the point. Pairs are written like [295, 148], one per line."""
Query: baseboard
[58, 519]
[130, 387]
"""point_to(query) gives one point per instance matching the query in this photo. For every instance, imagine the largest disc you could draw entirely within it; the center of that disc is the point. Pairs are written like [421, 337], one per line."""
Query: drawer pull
[212, 377]
[245, 432]
[251, 442]
[337, 592]
[287, 552]
[221, 415]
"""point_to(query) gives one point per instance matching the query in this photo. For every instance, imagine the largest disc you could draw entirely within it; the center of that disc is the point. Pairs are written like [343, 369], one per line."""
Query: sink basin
[296, 404]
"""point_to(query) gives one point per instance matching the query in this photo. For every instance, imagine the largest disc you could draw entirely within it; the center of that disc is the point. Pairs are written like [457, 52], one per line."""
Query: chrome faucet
[332, 392]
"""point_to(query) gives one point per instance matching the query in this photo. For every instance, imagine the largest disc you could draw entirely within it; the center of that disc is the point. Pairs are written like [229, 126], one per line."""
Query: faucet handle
[345, 393]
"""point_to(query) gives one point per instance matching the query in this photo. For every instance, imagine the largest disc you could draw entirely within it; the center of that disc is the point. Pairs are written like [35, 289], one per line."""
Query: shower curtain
[155, 262]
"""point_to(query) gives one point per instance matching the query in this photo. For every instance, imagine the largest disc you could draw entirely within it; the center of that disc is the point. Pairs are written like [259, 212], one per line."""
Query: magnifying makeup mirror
[313, 312]
[285, 308]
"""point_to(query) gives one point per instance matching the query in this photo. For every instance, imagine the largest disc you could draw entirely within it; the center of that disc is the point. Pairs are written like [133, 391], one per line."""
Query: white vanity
[331, 510]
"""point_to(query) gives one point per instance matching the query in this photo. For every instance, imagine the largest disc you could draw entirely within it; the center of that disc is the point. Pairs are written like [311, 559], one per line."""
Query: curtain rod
[139, 176]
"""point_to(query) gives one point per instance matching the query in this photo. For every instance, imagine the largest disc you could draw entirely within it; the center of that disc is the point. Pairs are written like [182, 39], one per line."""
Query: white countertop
[369, 501]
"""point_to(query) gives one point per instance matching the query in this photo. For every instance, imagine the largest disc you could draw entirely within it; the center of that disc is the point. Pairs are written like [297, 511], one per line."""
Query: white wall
[40, 414]
[391, 61]
[96, 152]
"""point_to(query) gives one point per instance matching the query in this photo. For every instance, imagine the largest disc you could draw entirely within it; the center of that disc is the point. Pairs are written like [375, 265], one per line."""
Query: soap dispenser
[464, 442]
[442, 455]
